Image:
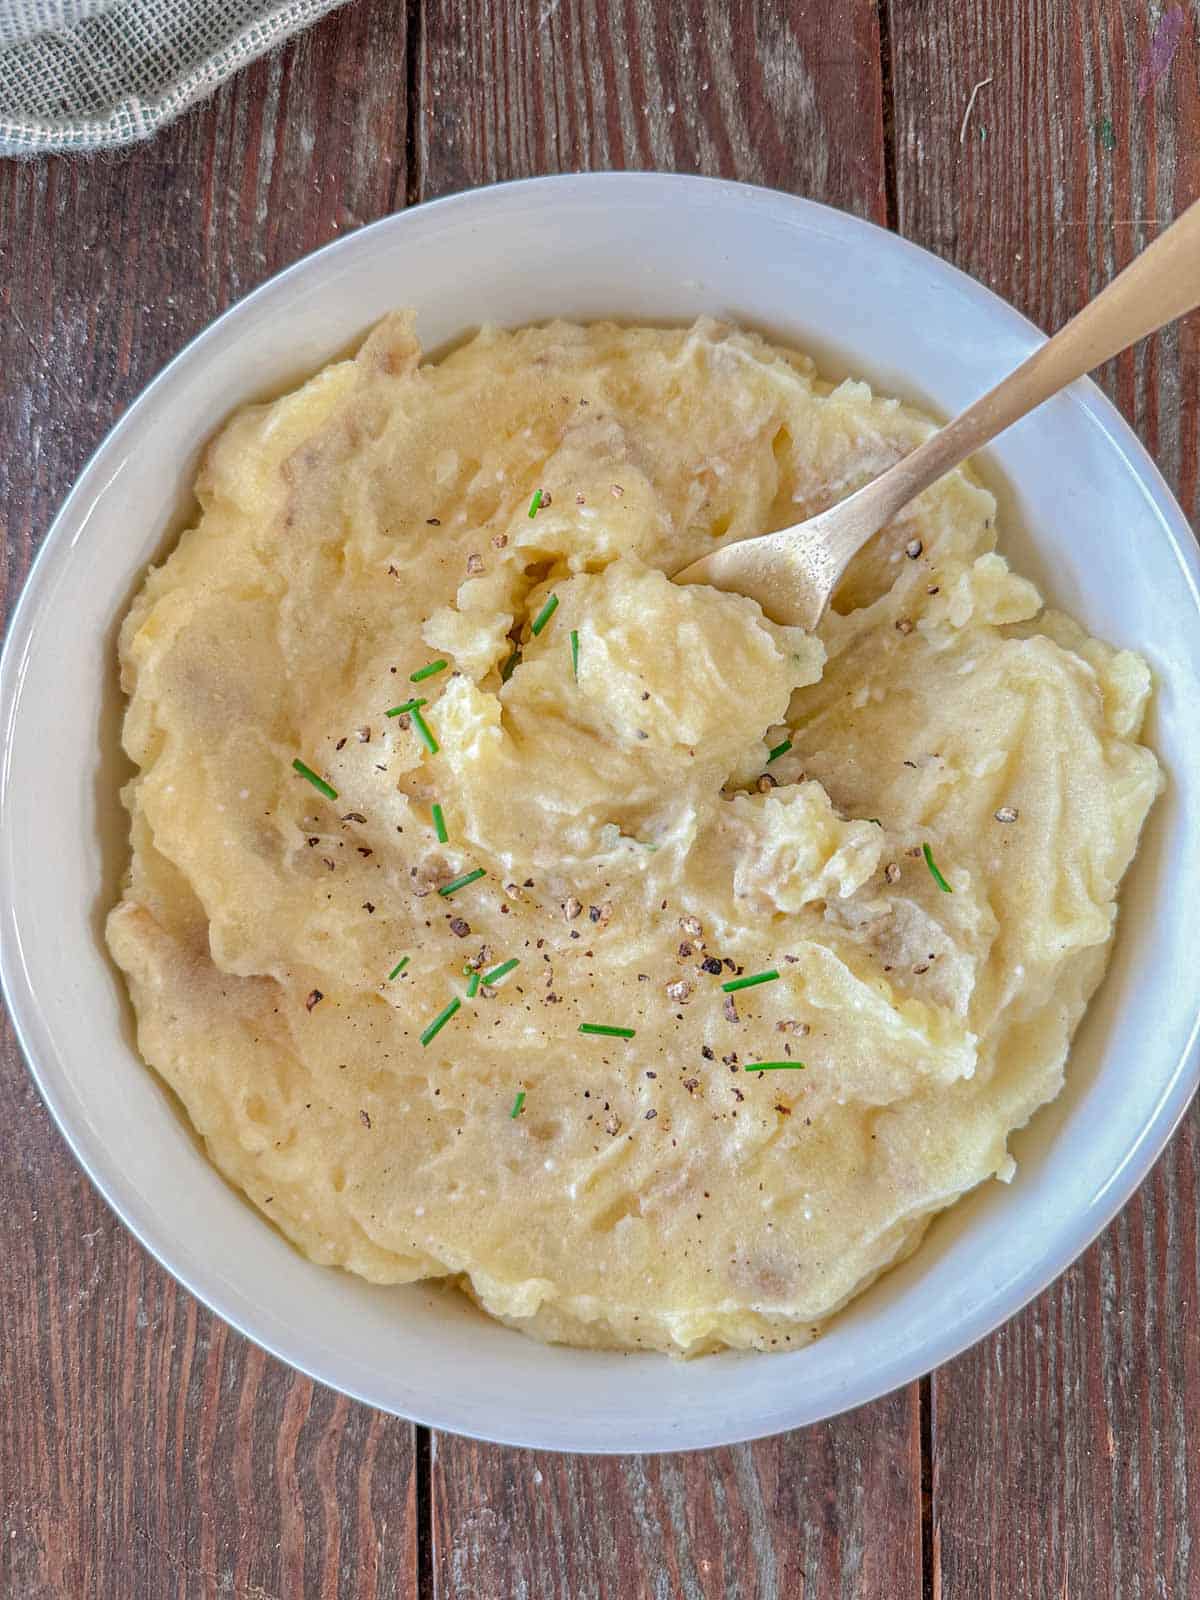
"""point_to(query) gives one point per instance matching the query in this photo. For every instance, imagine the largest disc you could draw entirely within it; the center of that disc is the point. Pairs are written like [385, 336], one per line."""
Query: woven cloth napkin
[86, 75]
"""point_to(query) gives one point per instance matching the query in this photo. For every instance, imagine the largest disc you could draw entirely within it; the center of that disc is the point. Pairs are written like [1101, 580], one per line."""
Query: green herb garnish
[535, 503]
[439, 823]
[472, 985]
[750, 982]
[510, 666]
[409, 705]
[933, 867]
[774, 1066]
[429, 671]
[326, 789]
[440, 1021]
[575, 653]
[425, 732]
[456, 884]
[544, 615]
[779, 750]
[499, 972]
[518, 1103]
[398, 968]
[604, 1029]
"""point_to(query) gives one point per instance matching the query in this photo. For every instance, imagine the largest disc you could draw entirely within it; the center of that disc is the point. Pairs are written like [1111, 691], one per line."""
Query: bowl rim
[57, 547]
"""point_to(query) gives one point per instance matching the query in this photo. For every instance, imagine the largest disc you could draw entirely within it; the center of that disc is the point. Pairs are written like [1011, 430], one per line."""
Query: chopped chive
[518, 1103]
[750, 982]
[779, 750]
[456, 884]
[326, 789]
[510, 666]
[535, 503]
[774, 1066]
[428, 671]
[499, 972]
[933, 867]
[440, 1021]
[472, 986]
[425, 732]
[398, 968]
[409, 705]
[606, 1031]
[575, 653]
[544, 615]
[439, 823]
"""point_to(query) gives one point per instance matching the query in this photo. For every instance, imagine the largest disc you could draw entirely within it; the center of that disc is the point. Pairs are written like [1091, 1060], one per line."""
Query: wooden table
[145, 1450]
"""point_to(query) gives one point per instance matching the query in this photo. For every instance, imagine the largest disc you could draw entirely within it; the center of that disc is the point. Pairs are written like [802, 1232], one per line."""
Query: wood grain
[770, 94]
[1063, 1453]
[146, 1451]
[832, 1511]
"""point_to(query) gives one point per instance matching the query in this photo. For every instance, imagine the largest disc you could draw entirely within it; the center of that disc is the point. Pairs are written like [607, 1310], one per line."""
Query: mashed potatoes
[917, 819]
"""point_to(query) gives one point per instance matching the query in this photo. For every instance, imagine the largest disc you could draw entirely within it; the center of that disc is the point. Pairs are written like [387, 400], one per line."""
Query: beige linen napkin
[86, 75]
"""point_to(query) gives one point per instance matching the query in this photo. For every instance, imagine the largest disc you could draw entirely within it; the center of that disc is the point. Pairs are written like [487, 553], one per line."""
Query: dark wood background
[148, 1452]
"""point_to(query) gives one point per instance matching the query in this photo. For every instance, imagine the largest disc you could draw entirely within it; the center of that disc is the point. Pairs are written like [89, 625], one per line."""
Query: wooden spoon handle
[1159, 285]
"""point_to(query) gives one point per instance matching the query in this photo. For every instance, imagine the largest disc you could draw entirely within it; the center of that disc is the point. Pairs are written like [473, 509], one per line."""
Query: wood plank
[767, 93]
[825, 1512]
[145, 1449]
[1062, 1463]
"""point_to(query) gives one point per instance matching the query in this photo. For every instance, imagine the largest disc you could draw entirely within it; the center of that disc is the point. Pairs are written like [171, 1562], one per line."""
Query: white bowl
[1086, 514]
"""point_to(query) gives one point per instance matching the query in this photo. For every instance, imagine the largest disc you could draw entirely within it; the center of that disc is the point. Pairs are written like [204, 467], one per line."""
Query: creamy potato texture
[640, 843]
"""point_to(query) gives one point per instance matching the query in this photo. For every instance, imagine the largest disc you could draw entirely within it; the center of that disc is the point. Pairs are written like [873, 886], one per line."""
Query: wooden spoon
[793, 573]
